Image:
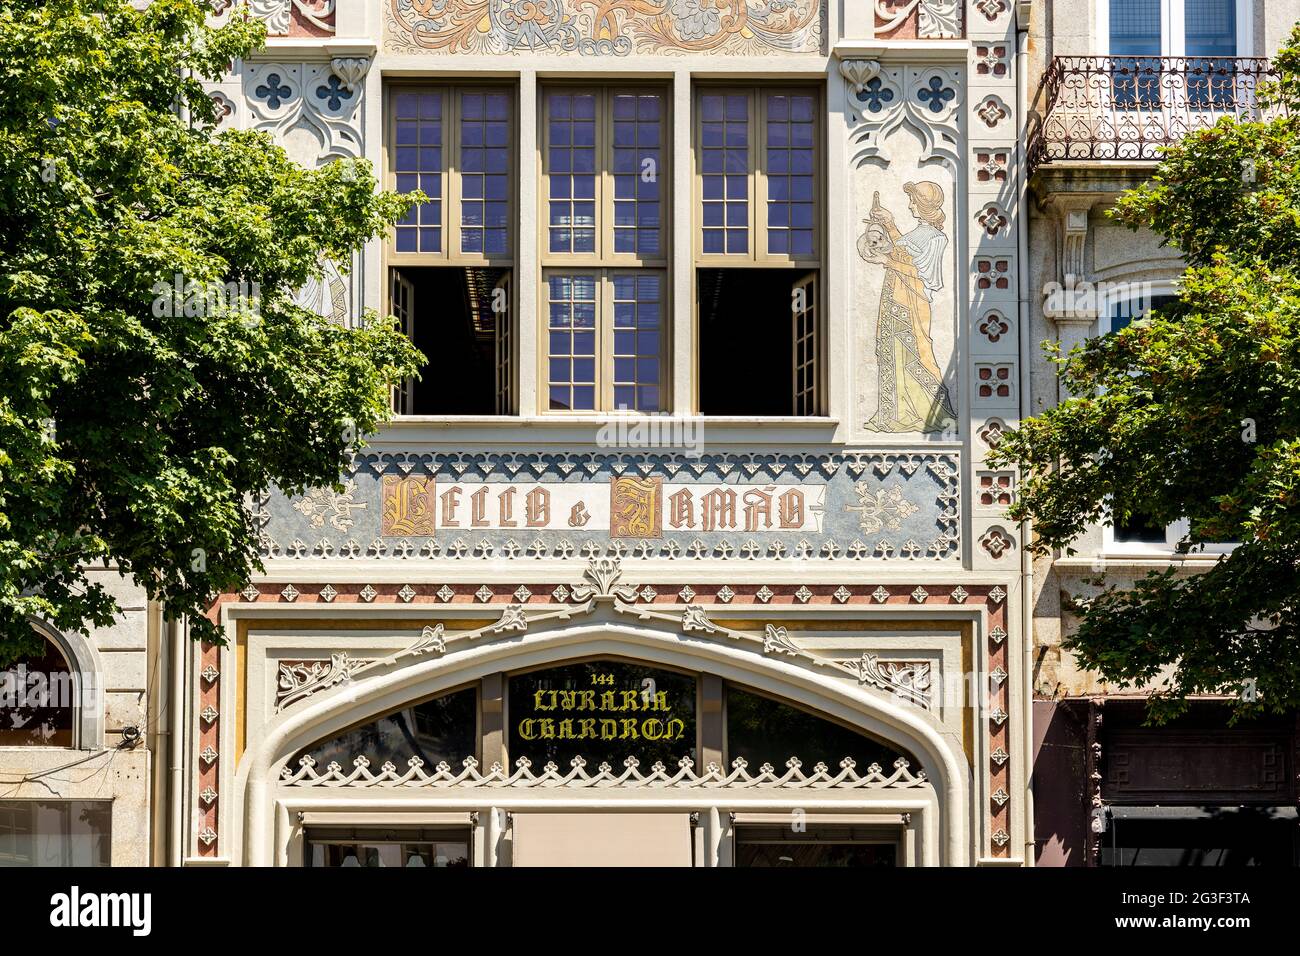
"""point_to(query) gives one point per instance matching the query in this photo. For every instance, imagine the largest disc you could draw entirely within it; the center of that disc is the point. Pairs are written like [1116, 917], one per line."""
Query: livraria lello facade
[683, 550]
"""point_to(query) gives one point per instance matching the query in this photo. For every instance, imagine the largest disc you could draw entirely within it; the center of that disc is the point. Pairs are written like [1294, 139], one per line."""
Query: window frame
[1173, 28]
[1175, 531]
[450, 171]
[757, 175]
[604, 264]
[604, 254]
[604, 335]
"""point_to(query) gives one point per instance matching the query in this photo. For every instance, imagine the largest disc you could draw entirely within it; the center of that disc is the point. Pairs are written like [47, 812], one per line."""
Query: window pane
[637, 320]
[1135, 43]
[603, 711]
[1211, 27]
[55, 832]
[484, 162]
[571, 320]
[407, 847]
[637, 160]
[724, 168]
[790, 163]
[445, 728]
[418, 160]
[1211, 31]
[1135, 27]
[837, 846]
[763, 730]
[37, 701]
[571, 166]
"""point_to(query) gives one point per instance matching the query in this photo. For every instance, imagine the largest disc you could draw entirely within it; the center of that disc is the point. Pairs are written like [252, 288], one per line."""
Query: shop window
[409, 848]
[55, 832]
[834, 846]
[763, 730]
[602, 711]
[442, 729]
[38, 701]
[1195, 836]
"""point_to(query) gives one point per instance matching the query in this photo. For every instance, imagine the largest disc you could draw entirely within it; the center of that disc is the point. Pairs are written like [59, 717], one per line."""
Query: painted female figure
[913, 397]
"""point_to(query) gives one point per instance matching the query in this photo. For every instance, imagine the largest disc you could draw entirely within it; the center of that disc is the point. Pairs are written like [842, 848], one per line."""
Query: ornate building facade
[683, 549]
[721, 304]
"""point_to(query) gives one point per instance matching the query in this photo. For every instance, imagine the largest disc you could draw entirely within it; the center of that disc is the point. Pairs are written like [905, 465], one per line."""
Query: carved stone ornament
[299, 679]
[277, 13]
[605, 777]
[351, 70]
[309, 108]
[927, 99]
[908, 681]
[936, 19]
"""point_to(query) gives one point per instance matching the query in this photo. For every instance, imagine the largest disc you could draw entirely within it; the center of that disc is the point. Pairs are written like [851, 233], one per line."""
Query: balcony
[1124, 109]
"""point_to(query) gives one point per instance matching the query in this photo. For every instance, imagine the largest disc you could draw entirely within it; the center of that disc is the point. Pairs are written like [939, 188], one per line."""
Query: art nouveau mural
[905, 279]
[604, 27]
[912, 395]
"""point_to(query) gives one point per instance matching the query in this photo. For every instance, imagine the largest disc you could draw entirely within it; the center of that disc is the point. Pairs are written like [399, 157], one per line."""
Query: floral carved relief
[604, 27]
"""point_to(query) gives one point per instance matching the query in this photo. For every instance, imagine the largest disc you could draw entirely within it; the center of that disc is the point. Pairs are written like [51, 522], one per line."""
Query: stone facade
[854, 562]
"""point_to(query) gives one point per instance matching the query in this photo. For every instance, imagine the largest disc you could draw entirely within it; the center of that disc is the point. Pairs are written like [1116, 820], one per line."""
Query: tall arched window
[38, 701]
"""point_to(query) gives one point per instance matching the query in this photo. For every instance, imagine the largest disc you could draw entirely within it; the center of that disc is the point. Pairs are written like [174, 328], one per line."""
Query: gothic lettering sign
[408, 506]
[602, 710]
[626, 507]
[845, 506]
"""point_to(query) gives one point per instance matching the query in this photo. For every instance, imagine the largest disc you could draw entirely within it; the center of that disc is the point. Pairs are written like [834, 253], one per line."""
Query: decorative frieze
[306, 774]
[618, 28]
[848, 506]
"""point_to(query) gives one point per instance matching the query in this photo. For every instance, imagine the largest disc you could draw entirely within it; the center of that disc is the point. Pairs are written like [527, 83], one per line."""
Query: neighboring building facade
[1116, 80]
[784, 238]
[77, 726]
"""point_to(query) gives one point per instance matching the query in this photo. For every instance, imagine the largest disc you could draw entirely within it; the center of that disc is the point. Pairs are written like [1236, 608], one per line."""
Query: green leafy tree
[135, 422]
[1194, 413]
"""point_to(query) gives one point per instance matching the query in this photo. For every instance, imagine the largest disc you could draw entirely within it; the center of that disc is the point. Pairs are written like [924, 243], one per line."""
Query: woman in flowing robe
[913, 397]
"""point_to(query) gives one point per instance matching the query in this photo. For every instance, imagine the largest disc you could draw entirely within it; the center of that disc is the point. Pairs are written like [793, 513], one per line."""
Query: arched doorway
[924, 800]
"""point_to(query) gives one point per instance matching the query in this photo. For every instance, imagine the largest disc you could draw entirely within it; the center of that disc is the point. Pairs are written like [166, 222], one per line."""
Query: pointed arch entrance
[930, 803]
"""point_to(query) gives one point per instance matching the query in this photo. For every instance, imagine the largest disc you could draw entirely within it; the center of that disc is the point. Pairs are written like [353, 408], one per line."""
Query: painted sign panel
[848, 506]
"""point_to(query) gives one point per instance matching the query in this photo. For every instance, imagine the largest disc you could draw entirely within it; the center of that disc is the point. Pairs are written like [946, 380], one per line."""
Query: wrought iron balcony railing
[1125, 108]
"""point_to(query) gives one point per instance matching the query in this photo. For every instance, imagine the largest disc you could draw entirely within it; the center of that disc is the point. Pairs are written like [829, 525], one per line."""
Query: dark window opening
[759, 351]
[37, 705]
[460, 319]
[846, 846]
[1215, 836]
[1138, 530]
